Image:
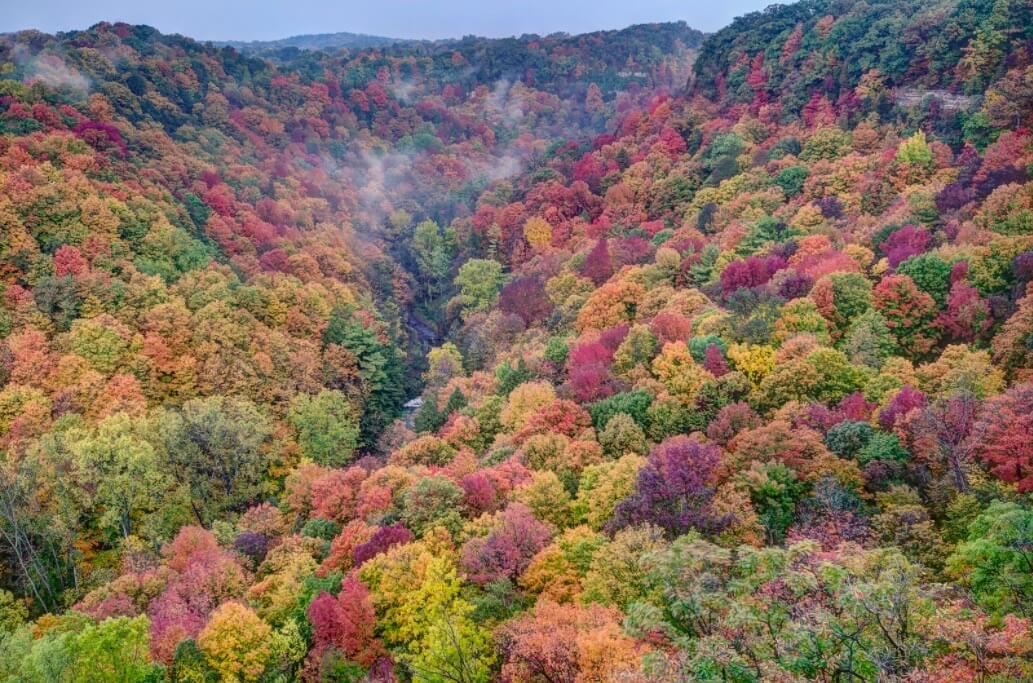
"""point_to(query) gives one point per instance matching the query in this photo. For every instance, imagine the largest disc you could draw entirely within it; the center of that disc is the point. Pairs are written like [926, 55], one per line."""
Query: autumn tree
[1000, 435]
[566, 643]
[674, 489]
[445, 645]
[1010, 346]
[526, 297]
[343, 624]
[910, 314]
[237, 644]
[505, 552]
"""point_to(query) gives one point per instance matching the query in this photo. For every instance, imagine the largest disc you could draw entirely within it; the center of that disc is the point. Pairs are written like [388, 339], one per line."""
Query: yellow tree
[678, 371]
[448, 645]
[236, 643]
[538, 232]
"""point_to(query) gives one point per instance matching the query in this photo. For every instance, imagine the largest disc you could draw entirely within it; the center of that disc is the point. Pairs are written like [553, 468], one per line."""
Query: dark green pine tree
[379, 367]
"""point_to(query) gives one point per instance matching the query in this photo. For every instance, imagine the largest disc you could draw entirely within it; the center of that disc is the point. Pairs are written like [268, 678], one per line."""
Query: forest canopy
[637, 355]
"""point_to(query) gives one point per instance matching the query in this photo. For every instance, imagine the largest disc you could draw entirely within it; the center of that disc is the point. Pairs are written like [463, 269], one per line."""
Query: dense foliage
[724, 375]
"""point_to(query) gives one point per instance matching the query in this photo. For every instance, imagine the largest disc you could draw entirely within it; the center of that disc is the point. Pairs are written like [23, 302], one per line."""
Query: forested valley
[638, 356]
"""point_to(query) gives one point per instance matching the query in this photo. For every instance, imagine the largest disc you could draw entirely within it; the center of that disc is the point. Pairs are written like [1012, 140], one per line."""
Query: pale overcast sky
[269, 19]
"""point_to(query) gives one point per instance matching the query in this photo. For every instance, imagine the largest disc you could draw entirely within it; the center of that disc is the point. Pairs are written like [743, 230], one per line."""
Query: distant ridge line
[312, 41]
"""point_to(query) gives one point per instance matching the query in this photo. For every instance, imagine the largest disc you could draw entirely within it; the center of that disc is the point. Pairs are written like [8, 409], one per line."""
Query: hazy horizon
[239, 20]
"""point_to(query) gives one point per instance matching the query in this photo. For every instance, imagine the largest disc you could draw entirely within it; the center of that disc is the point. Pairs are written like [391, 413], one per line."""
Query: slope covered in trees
[730, 378]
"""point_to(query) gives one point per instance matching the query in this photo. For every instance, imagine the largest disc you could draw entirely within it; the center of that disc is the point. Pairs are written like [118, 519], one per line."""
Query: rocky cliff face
[914, 97]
